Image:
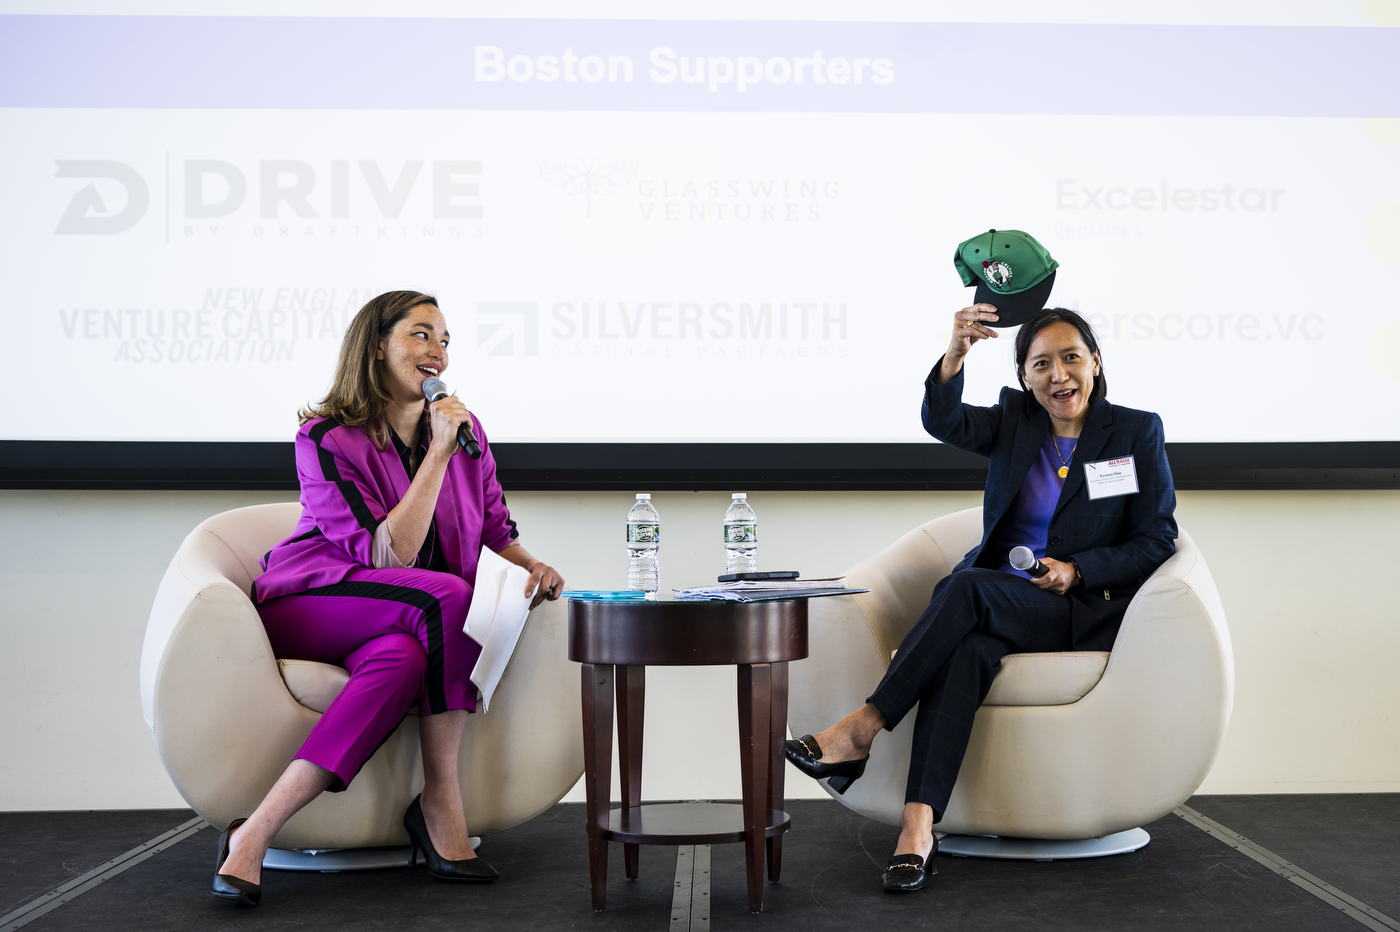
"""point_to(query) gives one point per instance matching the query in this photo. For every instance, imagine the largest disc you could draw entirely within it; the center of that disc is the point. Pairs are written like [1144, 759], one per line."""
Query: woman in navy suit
[1085, 485]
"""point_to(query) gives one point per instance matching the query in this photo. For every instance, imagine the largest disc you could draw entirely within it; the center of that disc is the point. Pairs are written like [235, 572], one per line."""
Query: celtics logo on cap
[1010, 270]
[997, 272]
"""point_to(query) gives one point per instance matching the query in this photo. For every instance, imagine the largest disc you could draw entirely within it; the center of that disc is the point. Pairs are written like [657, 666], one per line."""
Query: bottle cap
[740, 496]
[643, 496]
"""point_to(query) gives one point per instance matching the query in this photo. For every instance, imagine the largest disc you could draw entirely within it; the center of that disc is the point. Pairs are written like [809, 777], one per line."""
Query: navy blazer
[1118, 542]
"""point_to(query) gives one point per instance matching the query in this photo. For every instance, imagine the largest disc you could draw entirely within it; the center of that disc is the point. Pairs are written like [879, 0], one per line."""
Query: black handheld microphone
[1024, 560]
[435, 390]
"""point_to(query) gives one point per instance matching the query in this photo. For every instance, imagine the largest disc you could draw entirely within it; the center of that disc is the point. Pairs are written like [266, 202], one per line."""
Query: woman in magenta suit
[377, 578]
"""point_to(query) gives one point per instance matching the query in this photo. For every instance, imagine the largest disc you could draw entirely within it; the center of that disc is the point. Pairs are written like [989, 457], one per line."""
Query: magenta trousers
[399, 633]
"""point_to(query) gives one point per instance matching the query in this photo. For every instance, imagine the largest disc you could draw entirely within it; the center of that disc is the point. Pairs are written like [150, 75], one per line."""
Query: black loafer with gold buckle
[806, 755]
[908, 872]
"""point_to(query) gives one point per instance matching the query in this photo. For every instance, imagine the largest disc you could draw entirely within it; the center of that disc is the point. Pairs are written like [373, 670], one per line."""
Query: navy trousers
[947, 663]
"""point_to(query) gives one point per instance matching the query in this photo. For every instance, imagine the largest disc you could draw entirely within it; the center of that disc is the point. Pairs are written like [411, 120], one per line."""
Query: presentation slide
[692, 230]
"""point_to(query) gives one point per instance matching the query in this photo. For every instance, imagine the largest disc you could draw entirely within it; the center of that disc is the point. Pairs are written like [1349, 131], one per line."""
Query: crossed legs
[303, 781]
[399, 633]
[850, 739]
[945, 666]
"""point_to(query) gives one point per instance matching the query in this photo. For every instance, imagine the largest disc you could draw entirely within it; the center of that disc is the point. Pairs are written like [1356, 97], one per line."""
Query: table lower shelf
[686, 824]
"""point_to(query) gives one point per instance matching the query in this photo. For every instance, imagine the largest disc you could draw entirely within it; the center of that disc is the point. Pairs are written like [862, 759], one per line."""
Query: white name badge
[1108, 478]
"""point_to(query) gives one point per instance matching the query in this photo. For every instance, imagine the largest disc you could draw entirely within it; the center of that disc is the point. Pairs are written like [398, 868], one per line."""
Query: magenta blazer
[348, 486]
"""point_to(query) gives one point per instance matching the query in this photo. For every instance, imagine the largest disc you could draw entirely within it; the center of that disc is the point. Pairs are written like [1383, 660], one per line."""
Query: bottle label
[643, 533]
[740, 533]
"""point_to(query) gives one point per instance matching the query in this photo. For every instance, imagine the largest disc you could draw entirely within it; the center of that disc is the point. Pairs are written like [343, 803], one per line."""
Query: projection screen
[695, 231]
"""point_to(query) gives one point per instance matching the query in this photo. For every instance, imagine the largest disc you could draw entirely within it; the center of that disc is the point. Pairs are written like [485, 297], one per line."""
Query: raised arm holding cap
[1013, 274]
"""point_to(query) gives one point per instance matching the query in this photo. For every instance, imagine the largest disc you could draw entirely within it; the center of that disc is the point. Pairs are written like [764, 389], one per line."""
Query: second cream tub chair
[1066, 746]
[227, 716]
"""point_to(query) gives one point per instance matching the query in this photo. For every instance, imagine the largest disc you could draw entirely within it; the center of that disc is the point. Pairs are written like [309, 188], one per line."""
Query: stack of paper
[767, 590]
[496, 618]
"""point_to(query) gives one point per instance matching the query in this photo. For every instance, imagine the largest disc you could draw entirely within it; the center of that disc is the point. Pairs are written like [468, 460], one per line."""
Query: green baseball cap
[1012, 272]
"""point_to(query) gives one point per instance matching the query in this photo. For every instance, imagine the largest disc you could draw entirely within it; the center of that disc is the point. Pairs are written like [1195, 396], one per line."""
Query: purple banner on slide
[492, 64]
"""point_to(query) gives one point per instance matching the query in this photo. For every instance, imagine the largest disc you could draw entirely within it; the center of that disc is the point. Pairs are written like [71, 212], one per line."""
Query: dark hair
[1039, 322]
[357, 397]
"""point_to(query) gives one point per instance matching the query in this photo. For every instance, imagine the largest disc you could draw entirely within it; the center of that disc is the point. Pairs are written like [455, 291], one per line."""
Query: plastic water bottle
[643, 541]
[740, 536]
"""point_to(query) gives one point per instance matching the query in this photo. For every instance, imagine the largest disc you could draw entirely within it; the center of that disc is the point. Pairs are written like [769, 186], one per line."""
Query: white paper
[736, 589]
[496, 618]
[1108, 478]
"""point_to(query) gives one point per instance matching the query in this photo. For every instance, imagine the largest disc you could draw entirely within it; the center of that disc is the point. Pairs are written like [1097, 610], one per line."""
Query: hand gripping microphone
[1021, 559]
[436, 390]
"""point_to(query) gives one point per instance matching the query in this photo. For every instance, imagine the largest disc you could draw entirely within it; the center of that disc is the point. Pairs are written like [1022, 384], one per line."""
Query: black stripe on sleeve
[432, 623]
[331, 473]
[514, 531]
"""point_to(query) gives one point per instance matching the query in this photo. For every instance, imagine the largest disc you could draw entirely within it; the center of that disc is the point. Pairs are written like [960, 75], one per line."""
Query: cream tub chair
[1070, 752]
[227, 716]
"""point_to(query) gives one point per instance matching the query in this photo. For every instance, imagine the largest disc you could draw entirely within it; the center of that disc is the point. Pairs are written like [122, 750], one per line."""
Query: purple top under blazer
[348, 486]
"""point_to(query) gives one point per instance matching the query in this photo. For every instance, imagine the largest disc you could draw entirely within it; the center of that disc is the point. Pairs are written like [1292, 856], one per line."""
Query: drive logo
[291, 187]
[507, 328]
[87, 212]
[441, 189]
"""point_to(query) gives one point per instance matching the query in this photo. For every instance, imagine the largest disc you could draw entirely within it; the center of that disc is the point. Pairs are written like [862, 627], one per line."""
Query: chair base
[1042, 849]
[334, 860]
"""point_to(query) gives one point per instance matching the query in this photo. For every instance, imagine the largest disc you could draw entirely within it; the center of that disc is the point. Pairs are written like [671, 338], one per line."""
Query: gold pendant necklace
[1063, 471]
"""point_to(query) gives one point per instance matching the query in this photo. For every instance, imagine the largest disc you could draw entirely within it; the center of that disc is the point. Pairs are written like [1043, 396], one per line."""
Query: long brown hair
[357, 397]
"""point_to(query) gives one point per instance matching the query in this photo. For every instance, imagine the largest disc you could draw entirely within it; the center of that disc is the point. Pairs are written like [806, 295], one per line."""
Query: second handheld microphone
[435, 390]
[1024, 560]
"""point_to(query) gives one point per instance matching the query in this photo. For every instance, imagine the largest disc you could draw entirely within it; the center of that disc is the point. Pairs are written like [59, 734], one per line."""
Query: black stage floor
[1185, 879]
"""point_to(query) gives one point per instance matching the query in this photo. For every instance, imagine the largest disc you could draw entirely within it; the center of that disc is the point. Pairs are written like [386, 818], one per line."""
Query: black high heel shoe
[226, 885]
[472, 870]
[806, 754]
[909, 872]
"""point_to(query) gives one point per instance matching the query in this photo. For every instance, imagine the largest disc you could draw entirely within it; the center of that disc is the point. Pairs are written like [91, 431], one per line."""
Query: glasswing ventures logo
[507, 328]
[588, 180]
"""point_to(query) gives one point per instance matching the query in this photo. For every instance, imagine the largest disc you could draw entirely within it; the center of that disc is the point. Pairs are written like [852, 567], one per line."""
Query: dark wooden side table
[615, 642]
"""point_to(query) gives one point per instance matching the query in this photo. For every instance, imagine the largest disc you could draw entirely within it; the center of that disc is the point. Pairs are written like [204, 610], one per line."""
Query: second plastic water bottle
[643, 542]
[740, 536]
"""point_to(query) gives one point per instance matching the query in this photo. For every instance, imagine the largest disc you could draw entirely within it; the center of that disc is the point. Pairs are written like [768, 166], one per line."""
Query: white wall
[1313, 617]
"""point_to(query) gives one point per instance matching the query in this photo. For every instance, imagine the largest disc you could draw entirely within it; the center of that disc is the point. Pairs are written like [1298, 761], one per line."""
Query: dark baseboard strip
[64, 893]
[1368, 916]
[625, 467]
